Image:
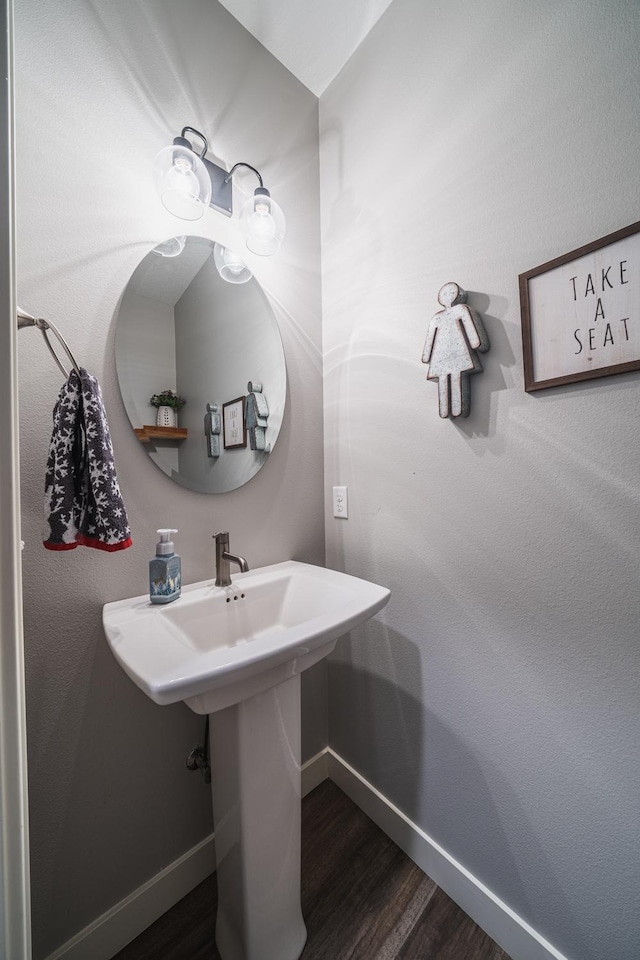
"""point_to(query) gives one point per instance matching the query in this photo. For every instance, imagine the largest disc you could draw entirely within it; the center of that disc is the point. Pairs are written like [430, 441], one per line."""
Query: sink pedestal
[236, 653]
[255, 774]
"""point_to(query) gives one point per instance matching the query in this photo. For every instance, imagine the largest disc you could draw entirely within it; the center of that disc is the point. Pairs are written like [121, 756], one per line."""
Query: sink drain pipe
[198, 759]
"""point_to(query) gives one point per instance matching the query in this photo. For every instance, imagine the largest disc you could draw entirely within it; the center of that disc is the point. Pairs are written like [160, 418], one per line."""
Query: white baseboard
[314, 771]
[121, 924]
[126, 920]
[504, 926]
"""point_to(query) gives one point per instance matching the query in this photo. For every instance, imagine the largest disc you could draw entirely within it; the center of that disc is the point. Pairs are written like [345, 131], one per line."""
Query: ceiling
[312, 38]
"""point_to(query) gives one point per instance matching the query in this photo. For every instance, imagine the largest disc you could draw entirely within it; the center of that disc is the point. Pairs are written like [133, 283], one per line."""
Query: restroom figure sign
[455, 336]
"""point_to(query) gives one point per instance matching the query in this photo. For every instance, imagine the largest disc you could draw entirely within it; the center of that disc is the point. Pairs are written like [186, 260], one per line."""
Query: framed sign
[233, 423]
[581, 313]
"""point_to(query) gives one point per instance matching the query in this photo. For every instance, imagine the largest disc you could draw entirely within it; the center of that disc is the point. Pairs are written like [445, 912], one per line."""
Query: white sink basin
[215, 646]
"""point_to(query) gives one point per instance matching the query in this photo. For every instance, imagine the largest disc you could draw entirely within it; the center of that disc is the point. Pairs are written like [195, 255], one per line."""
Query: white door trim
[15, 915]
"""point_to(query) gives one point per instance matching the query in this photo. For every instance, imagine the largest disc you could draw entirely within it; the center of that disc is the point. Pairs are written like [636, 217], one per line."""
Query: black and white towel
[83, 504]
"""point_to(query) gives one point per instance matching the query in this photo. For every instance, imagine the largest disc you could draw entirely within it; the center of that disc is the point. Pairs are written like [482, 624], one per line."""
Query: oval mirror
[185, 333]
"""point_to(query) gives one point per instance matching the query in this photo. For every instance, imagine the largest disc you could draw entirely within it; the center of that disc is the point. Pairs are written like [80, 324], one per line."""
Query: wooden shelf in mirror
[148, 433]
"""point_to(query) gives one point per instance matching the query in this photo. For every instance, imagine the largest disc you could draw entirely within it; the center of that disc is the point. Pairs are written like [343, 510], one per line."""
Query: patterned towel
[83, 503]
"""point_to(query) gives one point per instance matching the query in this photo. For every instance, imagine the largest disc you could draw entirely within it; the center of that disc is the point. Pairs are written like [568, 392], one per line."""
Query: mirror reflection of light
[229, 265]
[172, 247]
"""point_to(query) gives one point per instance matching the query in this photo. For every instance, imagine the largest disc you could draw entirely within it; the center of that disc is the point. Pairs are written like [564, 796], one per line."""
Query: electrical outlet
[340, 502]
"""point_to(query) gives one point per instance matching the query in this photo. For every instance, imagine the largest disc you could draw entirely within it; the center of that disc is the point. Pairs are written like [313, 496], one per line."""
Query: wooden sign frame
[234, 423]
[581, 313]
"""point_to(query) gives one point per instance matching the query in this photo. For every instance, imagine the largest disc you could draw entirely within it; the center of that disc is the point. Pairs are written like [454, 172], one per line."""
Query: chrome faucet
[224, 558]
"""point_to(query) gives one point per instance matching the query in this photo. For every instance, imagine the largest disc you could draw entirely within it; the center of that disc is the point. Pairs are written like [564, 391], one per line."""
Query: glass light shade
[182, 182]
[172, 247]
[229, 265]
[263, 224]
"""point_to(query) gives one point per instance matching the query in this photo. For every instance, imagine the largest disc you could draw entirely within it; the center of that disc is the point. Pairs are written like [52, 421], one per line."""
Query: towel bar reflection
[26, 320]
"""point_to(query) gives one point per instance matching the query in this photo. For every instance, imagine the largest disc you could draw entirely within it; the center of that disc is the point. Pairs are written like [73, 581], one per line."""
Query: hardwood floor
[362, 899]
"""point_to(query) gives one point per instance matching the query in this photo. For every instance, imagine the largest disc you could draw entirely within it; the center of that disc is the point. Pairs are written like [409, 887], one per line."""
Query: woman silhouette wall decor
[455, 335]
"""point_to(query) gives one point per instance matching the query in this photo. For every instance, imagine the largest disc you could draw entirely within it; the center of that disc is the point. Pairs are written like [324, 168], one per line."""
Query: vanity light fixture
[187, 183]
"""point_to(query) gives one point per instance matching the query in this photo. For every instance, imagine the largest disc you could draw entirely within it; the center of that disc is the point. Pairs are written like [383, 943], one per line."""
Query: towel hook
[26, 320]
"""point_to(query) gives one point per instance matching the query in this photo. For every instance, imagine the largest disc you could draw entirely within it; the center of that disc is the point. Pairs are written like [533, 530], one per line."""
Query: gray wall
[145, 352]
[495, 700]
[101, 87]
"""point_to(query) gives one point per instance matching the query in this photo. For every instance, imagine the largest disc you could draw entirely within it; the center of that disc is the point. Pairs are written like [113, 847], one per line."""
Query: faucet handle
[218, 537]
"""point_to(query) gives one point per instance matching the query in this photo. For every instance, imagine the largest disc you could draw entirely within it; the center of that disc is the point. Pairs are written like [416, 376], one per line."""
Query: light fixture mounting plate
[221, 191]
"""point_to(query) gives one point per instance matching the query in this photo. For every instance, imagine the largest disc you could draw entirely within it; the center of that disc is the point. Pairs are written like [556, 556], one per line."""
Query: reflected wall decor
[581, 312]
[233, 423]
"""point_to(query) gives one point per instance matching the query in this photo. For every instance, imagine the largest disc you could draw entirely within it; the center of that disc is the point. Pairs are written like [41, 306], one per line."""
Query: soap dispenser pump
[165, 576]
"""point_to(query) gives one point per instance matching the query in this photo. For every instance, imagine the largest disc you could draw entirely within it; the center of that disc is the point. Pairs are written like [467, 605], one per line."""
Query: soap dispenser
[165, 574]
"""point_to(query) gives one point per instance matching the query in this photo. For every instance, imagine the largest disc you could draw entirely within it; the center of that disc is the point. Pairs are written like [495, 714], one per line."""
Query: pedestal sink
[238, 652]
